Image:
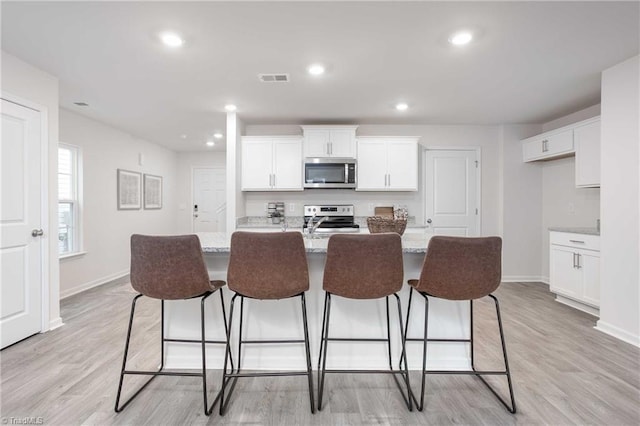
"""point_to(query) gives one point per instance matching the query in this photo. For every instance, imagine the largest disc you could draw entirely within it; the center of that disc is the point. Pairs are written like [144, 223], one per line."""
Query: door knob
[37, 233]
[429, 220]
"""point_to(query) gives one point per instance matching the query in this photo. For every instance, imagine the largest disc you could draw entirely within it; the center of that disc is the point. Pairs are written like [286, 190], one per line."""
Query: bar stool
[267, 266]
[170, 268]
[459, 268]
[363, 267]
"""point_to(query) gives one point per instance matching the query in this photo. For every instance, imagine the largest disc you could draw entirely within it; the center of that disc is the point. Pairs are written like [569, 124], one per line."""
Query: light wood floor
[564, 371]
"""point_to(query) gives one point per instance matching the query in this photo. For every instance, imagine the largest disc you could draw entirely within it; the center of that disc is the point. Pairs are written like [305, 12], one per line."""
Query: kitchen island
[282, 319]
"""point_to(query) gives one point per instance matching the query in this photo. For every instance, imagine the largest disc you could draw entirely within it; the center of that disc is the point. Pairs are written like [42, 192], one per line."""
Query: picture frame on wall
[152, 192]
[129, 190]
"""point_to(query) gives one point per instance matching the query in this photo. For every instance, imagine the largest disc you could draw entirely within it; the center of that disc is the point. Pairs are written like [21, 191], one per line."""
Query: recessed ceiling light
[183, 136]
[217, 135]
[461, 38]
[210, 143]
[316, 69]
[402, 106]
[171, 39]
[230, 107]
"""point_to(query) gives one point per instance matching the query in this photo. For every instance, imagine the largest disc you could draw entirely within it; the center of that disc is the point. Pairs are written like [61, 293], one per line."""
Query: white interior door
[451, 192]
[209, 202]
[20, 252]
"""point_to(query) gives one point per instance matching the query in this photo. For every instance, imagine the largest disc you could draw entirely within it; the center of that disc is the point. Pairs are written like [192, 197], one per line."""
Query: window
[69, 198]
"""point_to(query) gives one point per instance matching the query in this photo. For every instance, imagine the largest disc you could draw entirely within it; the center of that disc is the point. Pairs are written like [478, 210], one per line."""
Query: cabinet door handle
[328, 148]
[574, 260]
[576, 241]
[389, 179]
[545, 146]
[274, 180]
[578, 261]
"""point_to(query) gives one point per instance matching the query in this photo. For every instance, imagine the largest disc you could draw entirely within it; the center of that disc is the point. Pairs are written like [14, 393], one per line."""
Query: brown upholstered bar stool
[363, 267]
[267, 266]
[459, 268]
[170, 268]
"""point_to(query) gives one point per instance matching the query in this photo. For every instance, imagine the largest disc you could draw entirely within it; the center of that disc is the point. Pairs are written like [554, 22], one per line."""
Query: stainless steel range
[328, 219]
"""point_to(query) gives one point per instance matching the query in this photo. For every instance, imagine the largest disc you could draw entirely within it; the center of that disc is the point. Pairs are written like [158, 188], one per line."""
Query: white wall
[521, 208]
[33, 85]
[235, 197]
[106, 230]
[562, 203]
[486, 137]
[620, 239]
[184, 185]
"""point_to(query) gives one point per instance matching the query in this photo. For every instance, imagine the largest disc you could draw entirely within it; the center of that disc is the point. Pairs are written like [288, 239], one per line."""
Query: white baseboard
[524, 279]
[55, 323]
[91, 284]
[578, 305]
[618, 333]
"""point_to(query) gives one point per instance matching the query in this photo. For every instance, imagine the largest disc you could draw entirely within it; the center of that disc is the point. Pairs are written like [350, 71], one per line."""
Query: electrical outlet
[292, 207]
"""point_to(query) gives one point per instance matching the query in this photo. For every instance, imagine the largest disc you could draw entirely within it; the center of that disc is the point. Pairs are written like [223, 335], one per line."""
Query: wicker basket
[378, 224]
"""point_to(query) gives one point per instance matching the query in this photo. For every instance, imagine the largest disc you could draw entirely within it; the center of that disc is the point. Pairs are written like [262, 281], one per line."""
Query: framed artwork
[129, 190]
[152, 192]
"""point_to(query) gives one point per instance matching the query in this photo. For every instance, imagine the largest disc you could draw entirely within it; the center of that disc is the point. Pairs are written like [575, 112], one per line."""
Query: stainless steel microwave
[329, 173]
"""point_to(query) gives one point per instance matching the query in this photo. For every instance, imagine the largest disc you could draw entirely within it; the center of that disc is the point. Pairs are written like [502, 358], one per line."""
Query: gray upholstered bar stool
[459, 268]
[363, 267]
[170, 268]
[267, 266]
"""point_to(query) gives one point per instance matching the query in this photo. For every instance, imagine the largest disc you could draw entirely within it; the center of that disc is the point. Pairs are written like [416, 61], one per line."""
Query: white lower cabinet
[574, 269]
[387, 164]
[271, 163]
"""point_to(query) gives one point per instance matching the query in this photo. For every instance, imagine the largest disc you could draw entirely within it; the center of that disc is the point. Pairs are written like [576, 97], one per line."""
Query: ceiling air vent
[274, 78]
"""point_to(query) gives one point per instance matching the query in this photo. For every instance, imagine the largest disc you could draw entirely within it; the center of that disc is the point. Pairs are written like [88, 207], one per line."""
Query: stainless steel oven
[330, 173]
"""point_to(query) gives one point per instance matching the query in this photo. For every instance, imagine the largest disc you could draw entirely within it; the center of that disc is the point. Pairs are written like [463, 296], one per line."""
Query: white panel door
[342, 143]
[257, 164]
[587, 141]
[372, 165]
[209, 202]
[402, 165]
[564, 277]
[589, 264]
[287, 165]
[316, 143]
[20, 251]
[451, 195]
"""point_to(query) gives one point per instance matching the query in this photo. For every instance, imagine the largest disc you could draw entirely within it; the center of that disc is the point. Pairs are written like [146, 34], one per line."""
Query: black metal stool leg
[126, 352]
[307, 351]
[403, 354]
[227, 355]
[323, 355]
[507, 371]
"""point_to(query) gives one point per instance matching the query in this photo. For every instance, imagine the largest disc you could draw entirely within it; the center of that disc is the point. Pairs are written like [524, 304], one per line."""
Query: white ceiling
[530, 61]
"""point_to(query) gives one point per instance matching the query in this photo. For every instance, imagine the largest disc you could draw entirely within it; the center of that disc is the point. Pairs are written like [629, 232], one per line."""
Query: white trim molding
[618, 333]
[524, 279]
[91, 284]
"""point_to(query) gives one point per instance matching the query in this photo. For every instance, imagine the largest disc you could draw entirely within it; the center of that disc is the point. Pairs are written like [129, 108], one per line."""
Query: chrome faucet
[311, 227]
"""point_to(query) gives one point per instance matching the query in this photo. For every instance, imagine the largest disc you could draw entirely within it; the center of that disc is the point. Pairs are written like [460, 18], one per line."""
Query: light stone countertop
[219, 242]
[586, 231]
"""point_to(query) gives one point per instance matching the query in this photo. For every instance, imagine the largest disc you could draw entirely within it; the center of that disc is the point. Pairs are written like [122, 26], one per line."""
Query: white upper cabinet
[548, 145]
[587, 141]
[581, 139]
[329, 141]
[272, 163]
[387, 164]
